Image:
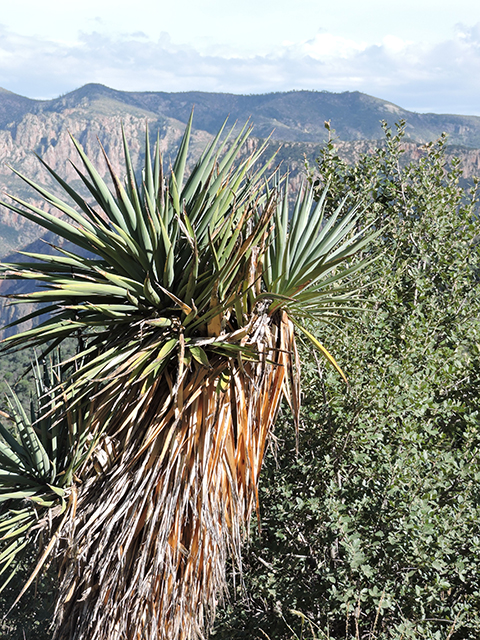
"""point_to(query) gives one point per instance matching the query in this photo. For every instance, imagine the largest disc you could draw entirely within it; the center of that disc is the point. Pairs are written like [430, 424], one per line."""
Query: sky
[423, 55]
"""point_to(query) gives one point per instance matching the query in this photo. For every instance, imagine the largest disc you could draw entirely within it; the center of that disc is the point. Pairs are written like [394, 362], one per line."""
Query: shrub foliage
[372, 530]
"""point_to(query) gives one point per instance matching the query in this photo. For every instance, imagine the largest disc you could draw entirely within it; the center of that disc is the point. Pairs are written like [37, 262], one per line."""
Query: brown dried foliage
[145, 552]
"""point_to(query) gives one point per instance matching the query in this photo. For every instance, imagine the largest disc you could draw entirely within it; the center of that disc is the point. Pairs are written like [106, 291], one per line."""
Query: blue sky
[422, 55]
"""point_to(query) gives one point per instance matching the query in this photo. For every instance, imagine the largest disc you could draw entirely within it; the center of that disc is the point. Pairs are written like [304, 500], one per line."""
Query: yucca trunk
[145, 555]
[184, 297]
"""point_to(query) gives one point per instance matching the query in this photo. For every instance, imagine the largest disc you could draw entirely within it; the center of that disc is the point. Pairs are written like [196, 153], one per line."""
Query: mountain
[295, 116]
[294, 120]
[95, 112]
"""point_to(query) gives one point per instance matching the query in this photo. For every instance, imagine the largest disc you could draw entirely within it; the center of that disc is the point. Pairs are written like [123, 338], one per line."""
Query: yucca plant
[40, 451]
[185, 296]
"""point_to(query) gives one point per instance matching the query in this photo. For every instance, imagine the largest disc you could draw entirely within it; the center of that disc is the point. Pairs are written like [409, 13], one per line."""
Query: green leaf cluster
[171, 266]
[40, 451]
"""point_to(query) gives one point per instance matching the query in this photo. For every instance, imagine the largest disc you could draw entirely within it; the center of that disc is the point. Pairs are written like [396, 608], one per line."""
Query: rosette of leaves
[40, 452]
[185, 295]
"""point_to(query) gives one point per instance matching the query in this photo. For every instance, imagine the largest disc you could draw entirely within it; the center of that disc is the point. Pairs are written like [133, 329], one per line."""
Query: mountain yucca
[143, 461]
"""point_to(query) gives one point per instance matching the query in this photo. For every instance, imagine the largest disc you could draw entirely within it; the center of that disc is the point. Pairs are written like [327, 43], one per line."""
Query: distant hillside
[95, 112]
[296, 116]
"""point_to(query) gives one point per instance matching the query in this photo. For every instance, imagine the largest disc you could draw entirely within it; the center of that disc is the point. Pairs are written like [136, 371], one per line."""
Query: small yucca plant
[40, 451]
[186, 297]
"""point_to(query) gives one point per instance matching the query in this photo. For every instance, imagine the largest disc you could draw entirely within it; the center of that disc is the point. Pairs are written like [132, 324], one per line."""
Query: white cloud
[441, 77]
[327, 45]
[394, 44]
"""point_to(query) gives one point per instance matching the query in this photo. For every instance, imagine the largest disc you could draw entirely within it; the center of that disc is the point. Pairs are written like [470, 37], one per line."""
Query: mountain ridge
[295, 116]
[294, 119]
[95, 113]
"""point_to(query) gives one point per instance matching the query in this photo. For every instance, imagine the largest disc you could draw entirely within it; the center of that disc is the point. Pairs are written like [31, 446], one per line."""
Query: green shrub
[373, 529]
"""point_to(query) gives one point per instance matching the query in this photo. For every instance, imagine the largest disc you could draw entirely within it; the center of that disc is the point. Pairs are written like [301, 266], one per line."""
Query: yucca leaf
[57, 490]
[174, 194]
[24, 494]
[59, 204]
[12, 551]
[31, 443]
[17, 531]
[9, 523]
[12, 480]
[49, 222]
[203, 168]
[60, 263]
[200, 356]
[181, 159]
[100, 191]
[31, 316]
[76, 197]
[164, 352]
[12, 449]
[309, 237]
[321, 348]
[148, 171]
[300, 218]
[157, 169]
[149, 292]
[123, 201]
[139, 254]
[121, 282]
[131, 181]
[160, 322]
[182, 305]
[231, 156]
